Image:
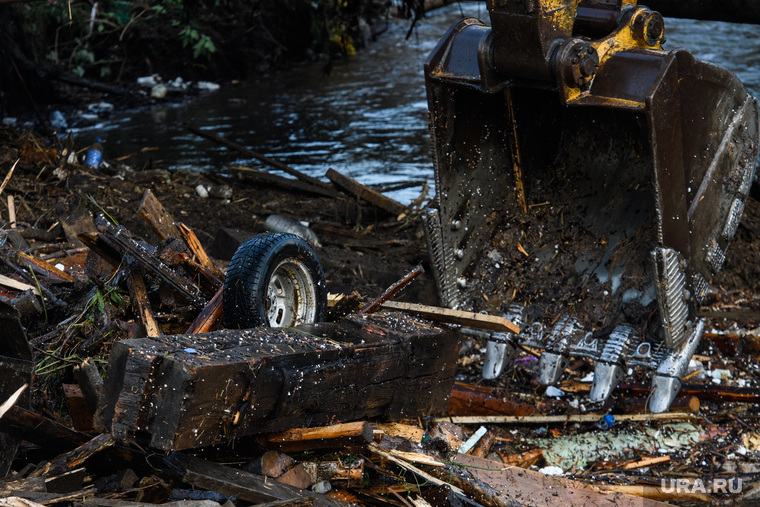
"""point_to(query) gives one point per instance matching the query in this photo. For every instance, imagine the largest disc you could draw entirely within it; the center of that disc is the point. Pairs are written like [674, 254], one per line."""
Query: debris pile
[119, 386]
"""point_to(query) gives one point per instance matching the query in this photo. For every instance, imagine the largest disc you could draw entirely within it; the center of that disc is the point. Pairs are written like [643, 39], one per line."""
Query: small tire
[274, 280]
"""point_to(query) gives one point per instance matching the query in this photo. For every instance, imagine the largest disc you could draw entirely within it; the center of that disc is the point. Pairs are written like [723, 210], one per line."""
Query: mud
[583, 246]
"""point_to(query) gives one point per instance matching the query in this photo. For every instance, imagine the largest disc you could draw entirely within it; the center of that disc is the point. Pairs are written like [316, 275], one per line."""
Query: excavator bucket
[587, 181]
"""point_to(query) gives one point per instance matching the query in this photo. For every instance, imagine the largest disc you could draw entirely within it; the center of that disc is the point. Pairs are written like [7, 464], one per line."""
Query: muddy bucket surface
[592, 199]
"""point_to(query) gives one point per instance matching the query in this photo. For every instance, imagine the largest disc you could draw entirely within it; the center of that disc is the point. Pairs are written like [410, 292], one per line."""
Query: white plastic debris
[148, 81]
[178, 83]
[100, 107]
[473, 440]
[159, 91]
[58, 120]
[719, 375]
[201, 191]
[588, 378]
[208, 86]
[60, 267]
[552, 470]
[554, 392]
[321, 487]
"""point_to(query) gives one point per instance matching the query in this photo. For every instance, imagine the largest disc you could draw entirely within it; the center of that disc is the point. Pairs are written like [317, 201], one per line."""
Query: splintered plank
[156, 217]
[139, 295]
[440, 314]
[121, 238]
[73, 459]
[200, 253]
[240, 484]
[43, 267]
[488, 481]
[188, 391]
[337, 436]
[209, 316]
[469, 399]
[374, 197]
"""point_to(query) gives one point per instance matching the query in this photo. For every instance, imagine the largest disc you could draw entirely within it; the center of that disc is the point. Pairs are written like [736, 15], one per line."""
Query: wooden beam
[258, 156]
[657, 493]
[40, 430]
[647, 462]
[468, 319]
[707, 392]
[122, 240]
[188, 391]
[353, 187]
[156, 217]
[73, 459]
[248, 173]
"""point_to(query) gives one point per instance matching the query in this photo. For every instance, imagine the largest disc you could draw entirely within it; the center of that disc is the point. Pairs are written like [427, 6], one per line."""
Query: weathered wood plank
[43, 267]
[488, 481]
[156, 217]
[440, 314]
[238, 483]
[121, 238]
[189, 391]
[139, 295]
[374, 197]
[285, 183]
[197, 248]
[209, 316]
[73, 459]
[40, 430]
[469, 399]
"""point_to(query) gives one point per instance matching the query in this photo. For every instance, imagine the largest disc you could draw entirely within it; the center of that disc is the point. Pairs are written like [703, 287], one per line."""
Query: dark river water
[367, 118]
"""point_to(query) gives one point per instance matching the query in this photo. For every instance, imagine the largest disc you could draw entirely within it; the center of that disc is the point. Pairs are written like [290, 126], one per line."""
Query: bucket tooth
[606, 377]
[609, 369]
[667, 379]
[498, 355]
[664, 391]
[556, 357]
[550, 368]
[501, 348]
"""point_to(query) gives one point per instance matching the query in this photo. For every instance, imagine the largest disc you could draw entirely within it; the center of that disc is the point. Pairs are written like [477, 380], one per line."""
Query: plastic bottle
[279, 223]
[606, 422]
[94, 155]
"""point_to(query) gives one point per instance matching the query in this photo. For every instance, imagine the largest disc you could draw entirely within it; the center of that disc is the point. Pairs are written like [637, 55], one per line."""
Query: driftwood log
[185, 391]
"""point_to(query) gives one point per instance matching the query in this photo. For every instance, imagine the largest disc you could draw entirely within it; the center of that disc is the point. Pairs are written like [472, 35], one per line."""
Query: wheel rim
[291, 295]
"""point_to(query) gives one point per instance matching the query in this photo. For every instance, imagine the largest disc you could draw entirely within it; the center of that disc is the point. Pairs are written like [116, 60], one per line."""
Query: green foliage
[122, 35]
